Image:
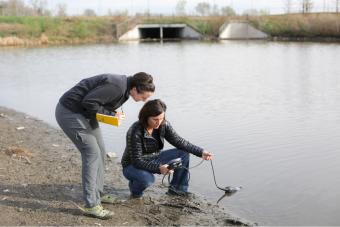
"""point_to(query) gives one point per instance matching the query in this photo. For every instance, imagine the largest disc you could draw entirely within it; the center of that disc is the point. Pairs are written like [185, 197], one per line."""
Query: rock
[20, 209]
[111, 155]
[20, 128]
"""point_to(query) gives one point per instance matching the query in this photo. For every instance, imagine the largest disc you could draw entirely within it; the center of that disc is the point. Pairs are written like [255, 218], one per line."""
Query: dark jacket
[102, 93]
[142, 149]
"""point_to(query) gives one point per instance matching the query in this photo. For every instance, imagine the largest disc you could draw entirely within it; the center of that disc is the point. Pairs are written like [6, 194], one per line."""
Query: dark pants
[140, 179]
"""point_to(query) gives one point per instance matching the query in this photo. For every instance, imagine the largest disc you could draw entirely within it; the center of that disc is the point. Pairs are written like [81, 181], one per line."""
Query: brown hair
[142, 82]
[151, 108]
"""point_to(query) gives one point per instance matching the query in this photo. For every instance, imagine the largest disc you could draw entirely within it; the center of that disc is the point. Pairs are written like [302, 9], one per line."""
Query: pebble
[55, 145]
[20, 209]
[111, 155]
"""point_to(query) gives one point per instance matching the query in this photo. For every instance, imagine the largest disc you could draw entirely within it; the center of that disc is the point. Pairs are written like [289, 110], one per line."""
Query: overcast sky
[101, 7]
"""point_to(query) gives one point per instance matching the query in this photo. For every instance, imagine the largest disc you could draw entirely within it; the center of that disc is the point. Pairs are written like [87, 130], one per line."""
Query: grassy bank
[307, 26]
[58, 30]
[53, 30]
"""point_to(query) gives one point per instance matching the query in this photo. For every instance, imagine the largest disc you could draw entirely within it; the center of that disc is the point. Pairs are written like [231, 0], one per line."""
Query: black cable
[213, 171]
[184, 168]
[197, 164]
[169, 176]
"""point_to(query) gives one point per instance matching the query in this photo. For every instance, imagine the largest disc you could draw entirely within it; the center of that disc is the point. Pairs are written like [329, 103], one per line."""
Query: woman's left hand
[206, 155]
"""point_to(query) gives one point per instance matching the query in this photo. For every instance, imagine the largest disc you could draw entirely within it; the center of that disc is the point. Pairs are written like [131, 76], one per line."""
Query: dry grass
[297, 25]
[52, 30]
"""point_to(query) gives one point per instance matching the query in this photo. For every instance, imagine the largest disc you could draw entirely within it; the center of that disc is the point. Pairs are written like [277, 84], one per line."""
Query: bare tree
[203, 8]
[288, 6]
[180, 7]
[337, 6]
[40, 7]
[307, 6]
[111, 13]
[227, 11]
[61, 10]
[3, 6]
[89, 13]
[215, 10]
[251, 12]
[17, 8]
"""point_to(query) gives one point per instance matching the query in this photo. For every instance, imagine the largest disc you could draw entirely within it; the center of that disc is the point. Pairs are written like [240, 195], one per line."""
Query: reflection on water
[268, 111]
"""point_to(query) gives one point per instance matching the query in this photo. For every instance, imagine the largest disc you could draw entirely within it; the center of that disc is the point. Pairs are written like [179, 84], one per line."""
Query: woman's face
[143, 96]
[155, 122]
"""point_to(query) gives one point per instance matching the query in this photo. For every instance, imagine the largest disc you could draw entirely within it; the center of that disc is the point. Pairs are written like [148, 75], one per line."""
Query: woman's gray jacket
[141, 151]
[98, 94]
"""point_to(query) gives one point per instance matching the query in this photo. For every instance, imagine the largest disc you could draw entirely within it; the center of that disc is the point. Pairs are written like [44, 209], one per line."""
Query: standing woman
[143, 155]
[76, 115]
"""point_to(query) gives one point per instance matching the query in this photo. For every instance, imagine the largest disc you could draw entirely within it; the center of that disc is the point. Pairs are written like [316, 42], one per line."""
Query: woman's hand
[120, 115]
[206, 155]
[164, 169]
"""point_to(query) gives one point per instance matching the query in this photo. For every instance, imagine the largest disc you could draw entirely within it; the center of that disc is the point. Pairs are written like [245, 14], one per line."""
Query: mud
[40, 182]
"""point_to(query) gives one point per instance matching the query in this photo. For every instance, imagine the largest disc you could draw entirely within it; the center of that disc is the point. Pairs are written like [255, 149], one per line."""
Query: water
[270, 113]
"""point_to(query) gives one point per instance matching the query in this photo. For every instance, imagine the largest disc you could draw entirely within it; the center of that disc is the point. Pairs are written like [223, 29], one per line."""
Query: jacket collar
[128, 87]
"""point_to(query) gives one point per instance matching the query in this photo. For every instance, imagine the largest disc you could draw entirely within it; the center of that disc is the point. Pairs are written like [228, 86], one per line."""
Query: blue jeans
[140, 179]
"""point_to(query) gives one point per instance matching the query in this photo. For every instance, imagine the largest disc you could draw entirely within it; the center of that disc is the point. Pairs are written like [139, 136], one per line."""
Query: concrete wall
[133, 34]
[240, 30]
[190, 33]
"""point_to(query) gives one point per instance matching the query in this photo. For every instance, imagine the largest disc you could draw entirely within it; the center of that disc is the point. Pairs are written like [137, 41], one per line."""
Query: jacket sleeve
[174, 139]
[135, 149]
[95, 100]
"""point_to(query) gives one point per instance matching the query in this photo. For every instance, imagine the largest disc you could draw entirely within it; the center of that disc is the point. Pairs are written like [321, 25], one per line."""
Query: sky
[167, 7]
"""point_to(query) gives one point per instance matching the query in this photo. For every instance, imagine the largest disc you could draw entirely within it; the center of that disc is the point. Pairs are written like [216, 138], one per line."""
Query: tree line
[204, 8]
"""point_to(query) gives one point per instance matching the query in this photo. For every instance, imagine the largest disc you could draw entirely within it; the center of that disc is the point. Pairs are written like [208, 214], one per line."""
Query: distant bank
[19, 31]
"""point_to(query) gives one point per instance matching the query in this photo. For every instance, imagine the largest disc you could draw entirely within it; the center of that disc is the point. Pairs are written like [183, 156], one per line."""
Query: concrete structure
[240, 30]
[161, 31]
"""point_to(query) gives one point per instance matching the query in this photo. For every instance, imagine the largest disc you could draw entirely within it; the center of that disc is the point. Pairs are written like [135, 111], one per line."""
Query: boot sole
[102, 218]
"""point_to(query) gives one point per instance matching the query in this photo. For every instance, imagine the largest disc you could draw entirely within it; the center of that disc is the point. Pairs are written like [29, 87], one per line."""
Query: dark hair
[142, 82]
[151, 108]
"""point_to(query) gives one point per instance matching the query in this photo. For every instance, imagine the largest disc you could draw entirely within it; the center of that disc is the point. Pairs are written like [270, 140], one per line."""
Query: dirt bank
[40, 178]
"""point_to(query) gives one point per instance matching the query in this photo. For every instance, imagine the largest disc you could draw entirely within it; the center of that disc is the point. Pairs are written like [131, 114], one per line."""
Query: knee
[185, 156]
[147, 179]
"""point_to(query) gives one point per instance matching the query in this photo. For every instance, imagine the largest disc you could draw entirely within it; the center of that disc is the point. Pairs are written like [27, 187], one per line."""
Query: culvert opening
[172, 33]
[150, 33]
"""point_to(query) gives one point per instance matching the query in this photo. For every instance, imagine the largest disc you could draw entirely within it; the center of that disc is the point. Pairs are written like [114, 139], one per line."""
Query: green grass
[59, 28]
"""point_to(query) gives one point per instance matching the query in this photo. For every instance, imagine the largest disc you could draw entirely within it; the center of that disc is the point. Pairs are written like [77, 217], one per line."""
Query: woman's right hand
[164, 169]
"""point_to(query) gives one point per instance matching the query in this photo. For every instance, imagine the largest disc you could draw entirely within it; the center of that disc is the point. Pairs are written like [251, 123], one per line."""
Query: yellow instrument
[109, 119]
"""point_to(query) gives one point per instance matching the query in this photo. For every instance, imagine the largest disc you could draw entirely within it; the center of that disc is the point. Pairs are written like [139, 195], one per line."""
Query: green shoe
[98, 212]
[109, 199]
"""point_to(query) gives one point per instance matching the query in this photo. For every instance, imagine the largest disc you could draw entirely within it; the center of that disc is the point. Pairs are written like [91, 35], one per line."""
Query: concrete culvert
[161, 31]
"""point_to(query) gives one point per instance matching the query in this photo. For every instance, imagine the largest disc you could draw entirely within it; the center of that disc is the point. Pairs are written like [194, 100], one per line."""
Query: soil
[41, 183]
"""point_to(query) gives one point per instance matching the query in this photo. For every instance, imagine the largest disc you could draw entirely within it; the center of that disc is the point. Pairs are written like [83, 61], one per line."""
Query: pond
[269, 111]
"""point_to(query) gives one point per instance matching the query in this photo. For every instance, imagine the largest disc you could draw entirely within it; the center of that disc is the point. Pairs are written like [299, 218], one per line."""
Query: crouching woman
[143, 156]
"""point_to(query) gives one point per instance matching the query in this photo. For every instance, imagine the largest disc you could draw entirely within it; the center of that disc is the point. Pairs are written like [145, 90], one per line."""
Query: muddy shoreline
[40, 175]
